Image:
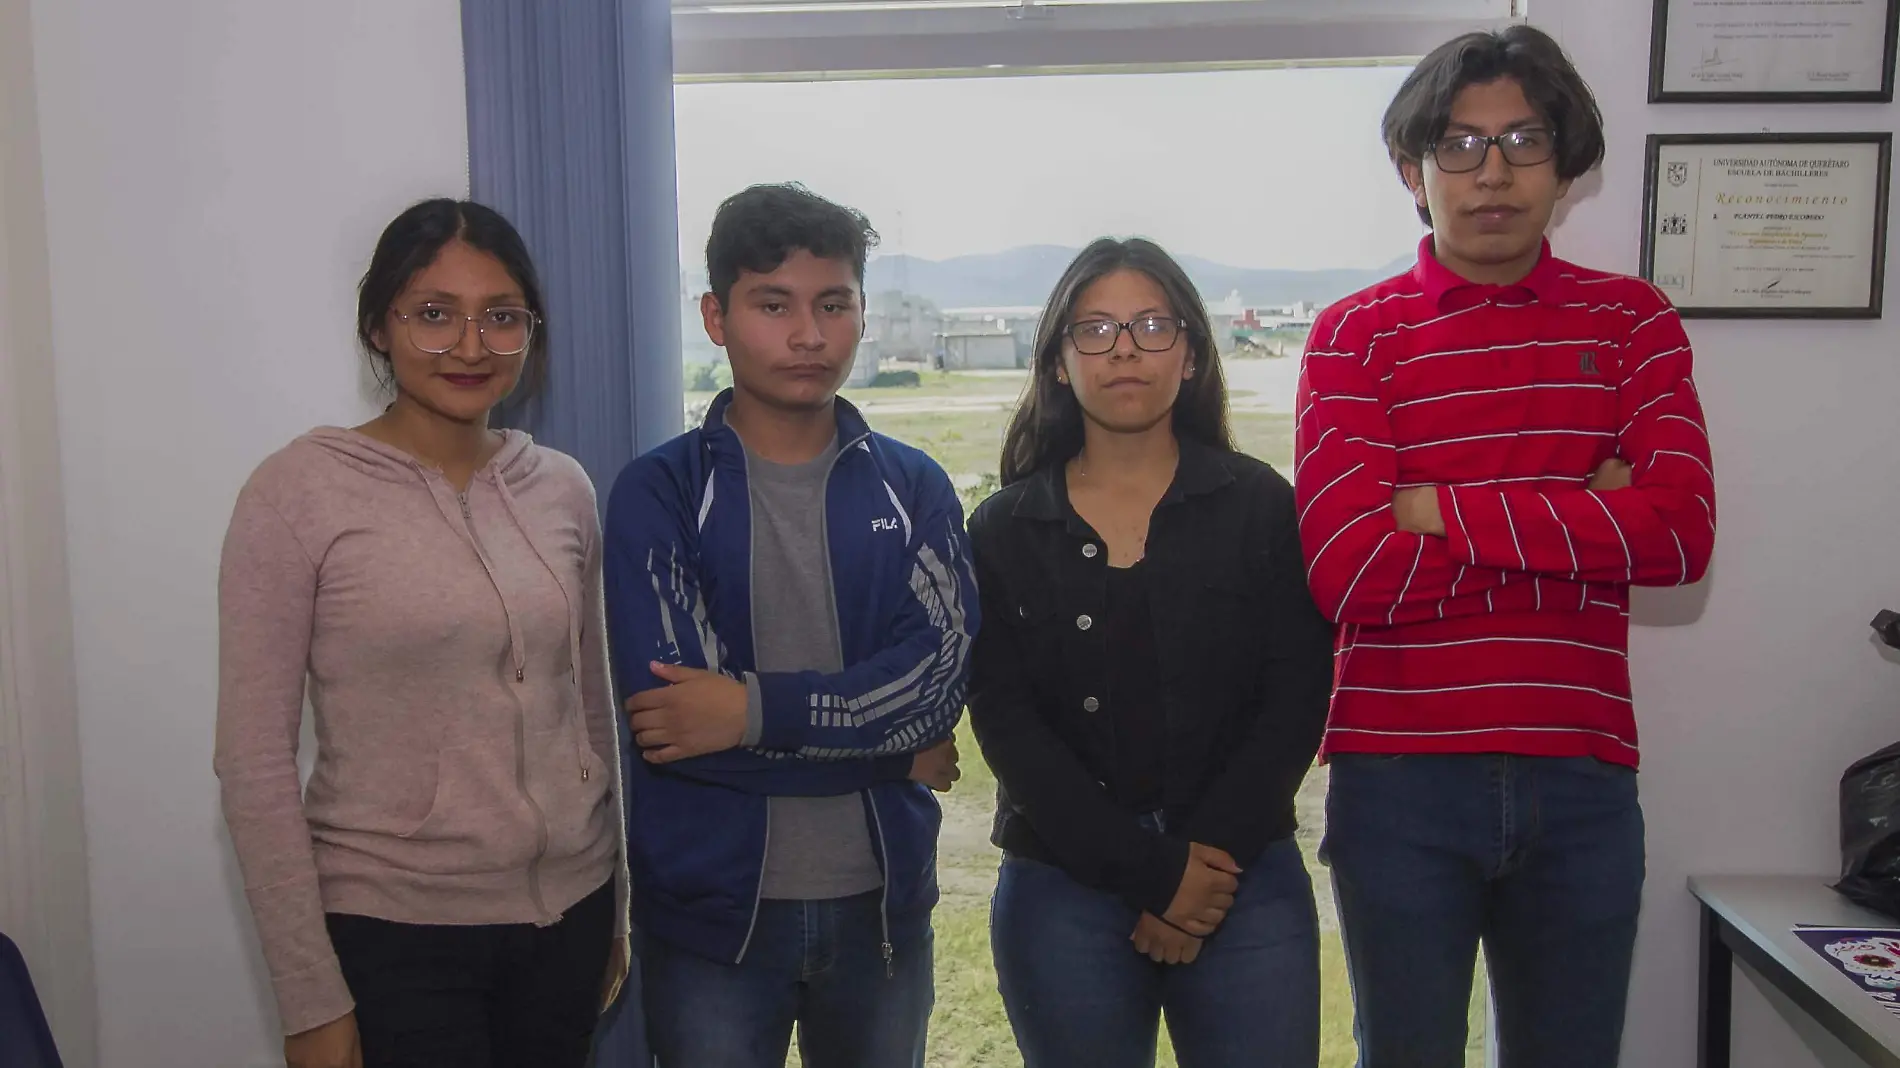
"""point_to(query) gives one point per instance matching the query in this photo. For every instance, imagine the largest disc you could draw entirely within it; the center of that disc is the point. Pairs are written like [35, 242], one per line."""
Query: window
[982, 189]
[988, 140]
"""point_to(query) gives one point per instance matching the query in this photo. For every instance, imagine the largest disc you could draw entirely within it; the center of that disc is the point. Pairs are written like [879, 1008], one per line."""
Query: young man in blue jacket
[790, 608]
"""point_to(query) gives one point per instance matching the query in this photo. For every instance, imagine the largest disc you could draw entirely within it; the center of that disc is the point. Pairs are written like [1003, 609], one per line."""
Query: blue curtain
[570, 123]
[570, 117]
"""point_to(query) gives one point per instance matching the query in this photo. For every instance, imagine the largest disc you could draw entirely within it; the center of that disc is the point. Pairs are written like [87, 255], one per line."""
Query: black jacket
[1245, 668]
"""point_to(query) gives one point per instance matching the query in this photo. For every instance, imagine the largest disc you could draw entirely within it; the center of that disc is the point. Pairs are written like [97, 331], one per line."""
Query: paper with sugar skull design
[1870, 957]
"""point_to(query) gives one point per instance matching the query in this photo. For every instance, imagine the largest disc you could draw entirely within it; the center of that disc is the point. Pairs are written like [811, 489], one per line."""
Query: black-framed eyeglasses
[1153, 333]
[437, 328]
[1461, 153]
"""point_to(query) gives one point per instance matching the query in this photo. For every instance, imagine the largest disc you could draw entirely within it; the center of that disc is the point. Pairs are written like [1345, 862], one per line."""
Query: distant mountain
[1021, 277]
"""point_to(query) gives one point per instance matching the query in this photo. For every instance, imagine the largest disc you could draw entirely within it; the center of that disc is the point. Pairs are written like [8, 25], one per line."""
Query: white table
[1751, 917]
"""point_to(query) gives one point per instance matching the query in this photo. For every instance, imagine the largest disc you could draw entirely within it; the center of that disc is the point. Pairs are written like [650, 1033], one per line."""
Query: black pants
[499, 996]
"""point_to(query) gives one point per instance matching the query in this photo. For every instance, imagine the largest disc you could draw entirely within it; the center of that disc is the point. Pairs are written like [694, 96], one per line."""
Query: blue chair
[25, 1040]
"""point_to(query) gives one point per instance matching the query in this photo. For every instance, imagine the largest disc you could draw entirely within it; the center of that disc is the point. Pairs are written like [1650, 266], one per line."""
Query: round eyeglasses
[1520, 148]
[1154, 333]
[437, 328]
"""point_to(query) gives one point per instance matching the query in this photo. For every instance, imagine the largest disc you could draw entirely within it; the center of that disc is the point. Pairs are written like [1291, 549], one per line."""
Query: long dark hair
[1047, 427]
[412, 241]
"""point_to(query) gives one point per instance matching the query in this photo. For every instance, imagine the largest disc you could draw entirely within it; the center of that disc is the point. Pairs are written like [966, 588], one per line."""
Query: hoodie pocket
[372, 792]
[480, 820]
[573, 788]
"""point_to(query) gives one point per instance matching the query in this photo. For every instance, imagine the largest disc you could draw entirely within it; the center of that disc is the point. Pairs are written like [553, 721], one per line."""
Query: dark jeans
[819, 965]
[1540, 859]
[1078, 993]
[495, 996]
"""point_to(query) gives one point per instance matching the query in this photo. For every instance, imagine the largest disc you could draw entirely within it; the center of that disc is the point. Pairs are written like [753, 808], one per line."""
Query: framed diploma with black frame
[1767, 226]
[1772, 51]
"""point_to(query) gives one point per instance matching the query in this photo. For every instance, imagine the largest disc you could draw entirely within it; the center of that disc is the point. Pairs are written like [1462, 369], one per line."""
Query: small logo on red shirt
[1587, 363]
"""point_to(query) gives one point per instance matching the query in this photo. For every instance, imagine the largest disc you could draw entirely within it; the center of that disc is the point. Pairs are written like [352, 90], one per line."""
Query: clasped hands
[1200, 904]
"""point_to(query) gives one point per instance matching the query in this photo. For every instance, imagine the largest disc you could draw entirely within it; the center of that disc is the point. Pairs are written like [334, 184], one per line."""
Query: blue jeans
[817, 964]
[1540, 859]
[1078, 993]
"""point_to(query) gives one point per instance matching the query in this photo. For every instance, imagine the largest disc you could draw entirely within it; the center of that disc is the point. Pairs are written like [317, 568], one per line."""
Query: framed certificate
[1767, 51]
[1767, 226]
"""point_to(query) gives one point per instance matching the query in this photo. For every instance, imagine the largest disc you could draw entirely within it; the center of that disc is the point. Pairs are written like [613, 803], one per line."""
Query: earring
[1190, 372]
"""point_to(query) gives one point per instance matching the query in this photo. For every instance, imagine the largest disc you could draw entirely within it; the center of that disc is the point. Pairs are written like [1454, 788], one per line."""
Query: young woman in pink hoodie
[450, 889]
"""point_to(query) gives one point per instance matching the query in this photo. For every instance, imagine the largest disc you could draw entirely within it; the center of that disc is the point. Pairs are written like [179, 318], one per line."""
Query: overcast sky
[1263, 168]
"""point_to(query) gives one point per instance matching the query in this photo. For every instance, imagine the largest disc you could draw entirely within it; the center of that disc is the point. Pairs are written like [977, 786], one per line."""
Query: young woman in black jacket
[1150, 685]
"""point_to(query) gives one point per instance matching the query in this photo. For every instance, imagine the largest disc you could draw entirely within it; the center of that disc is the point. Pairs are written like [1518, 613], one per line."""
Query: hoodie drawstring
[475, 542]
[573, 622]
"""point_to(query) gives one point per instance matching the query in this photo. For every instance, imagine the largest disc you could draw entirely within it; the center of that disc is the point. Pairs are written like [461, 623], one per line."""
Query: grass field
[958, 418]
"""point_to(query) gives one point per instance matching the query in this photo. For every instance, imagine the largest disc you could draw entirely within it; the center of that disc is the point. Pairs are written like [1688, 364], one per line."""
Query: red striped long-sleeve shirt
[1511, 632]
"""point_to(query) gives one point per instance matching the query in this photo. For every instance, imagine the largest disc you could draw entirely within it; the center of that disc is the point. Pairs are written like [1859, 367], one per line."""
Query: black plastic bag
[1870, 832]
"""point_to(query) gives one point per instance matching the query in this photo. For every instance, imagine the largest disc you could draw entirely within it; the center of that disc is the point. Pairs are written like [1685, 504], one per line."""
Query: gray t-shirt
[818, 848]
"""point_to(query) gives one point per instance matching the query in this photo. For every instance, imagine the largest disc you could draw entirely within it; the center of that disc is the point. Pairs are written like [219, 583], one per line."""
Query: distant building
[864, 364]
[1272, 330]
[977, 350]
[1018, 322]
[1221, 316]
[903, 325]
[1229, 306]
[1290, 317]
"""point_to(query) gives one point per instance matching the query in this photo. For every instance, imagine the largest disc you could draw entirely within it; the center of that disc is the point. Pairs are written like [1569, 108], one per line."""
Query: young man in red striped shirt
[1492, 449]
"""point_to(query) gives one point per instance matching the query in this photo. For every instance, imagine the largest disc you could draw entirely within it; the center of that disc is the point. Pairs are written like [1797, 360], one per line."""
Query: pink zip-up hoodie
[452, 650]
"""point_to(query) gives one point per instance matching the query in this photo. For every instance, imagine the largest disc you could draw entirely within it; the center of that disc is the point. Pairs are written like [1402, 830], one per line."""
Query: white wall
[1754, 692]
[216, 172]
[43, 885]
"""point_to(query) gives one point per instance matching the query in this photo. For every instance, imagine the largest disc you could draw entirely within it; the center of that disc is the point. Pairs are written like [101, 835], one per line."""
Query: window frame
[732, 40]
[812, 40]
